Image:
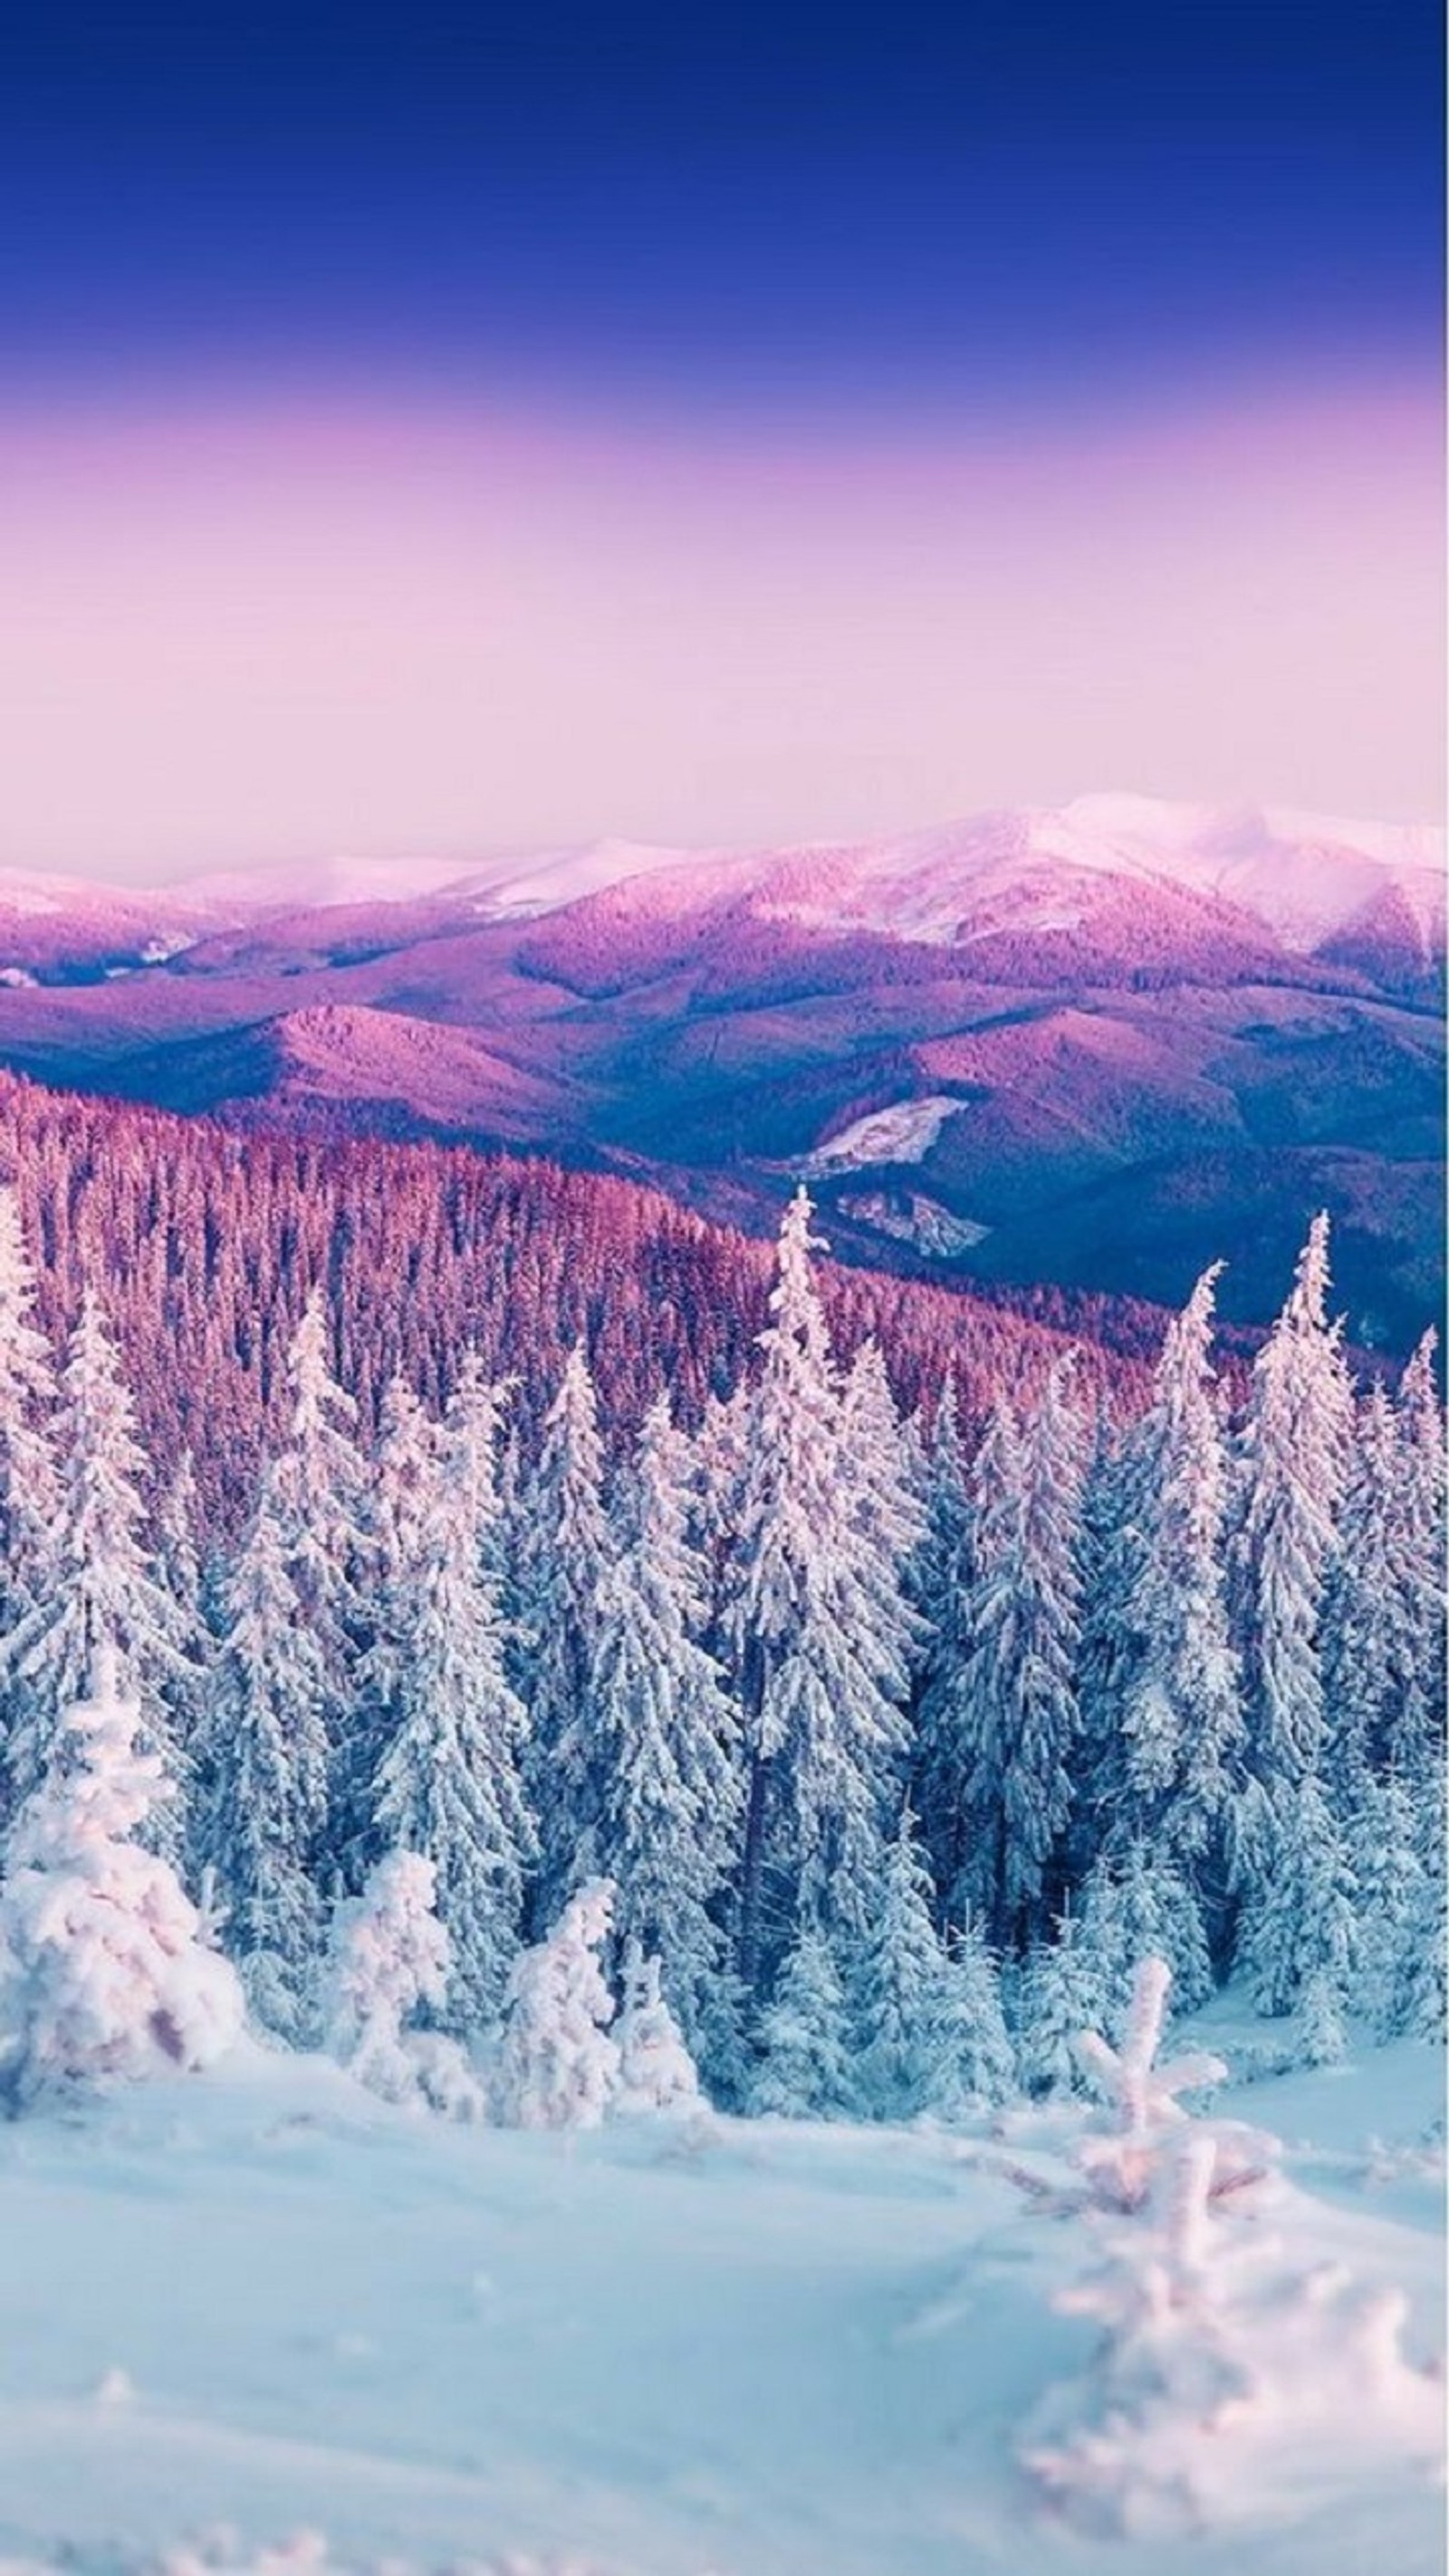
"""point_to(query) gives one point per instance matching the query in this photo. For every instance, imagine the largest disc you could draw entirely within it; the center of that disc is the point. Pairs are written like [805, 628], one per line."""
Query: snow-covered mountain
[1078, 1045]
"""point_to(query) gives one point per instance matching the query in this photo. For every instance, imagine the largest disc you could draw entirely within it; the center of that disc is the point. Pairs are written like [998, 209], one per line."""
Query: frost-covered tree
[448, 1782]
[319, 1501]
[664, 1733]
[1383, 1838]
[820, 1630]
[1016, 1708]
[1425, 1541]
[558, 2067]
[970, 2061]
[104, 1971]
[570, 1551]
[1180, 1703]
[899, 1986]
[805, 2068]
[1137, 1903]
[1063, 1992]
[1372, 1676]
[100, 1588]
[262, 1775]
[387, 1963]
[29, 1477]
[656, 2070]
[1295, 1453]
[1299, 1934]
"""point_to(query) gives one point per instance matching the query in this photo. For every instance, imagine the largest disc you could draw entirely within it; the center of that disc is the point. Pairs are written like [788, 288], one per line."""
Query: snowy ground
[258, 2299]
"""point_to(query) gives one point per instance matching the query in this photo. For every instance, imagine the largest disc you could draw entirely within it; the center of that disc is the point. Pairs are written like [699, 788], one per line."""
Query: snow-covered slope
[262, 2300]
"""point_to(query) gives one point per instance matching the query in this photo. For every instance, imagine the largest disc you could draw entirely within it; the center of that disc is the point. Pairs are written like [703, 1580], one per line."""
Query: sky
[454, 430]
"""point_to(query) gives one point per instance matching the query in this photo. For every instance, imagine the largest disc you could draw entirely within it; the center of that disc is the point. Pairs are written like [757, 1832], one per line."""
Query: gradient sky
[444, 430]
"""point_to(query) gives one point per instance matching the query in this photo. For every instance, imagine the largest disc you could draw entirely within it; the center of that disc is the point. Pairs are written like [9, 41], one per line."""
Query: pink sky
[238, 634]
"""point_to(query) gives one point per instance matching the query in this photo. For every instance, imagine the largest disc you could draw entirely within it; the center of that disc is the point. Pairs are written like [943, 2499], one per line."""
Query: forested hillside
[904, 1705]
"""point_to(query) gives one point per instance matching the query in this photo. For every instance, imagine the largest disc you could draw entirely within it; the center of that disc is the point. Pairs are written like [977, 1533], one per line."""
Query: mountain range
[1093, 1046]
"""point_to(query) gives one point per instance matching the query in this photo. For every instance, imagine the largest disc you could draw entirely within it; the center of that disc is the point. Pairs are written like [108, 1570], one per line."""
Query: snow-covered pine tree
[448, 1782]
[262, 1775]
[1064, 1992]
[1299, 1934]
[558, 2067]
[1016, 1707]
[805, 2069]
[899, 1987]
[1389, 1882]
[969, 2060]
[656, 2070]
[1424, 1566]
[1294, 1459]
[104, 1972]
[320, 1505]
[1136, 1903]
[388, 1960]
[665, 1735]
[29, 1477]
[1181, 1712]
[938, 1589]
[819, 1627]
[1372, 1676]
[571, 1550]
[100, 1588]
[29, 1474]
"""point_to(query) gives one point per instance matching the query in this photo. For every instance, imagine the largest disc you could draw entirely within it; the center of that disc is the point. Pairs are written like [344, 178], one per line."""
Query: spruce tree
[100, 1586]
[969, 2059]
[664, 1733]
[1016, 1709]
[1180, 1700]
[1299, 1935]
[900, 1987]
[1064, 1992]
[448, 1784]
[571, 1550]
[1295, 1452]
[262, 1761]
[819, 1627]
[805, 2068]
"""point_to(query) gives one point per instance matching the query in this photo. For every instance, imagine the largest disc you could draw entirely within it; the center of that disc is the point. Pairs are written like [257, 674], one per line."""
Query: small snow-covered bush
[1227, 2358]
[656, 2071]
[104, 1969]
[558, 2068]
[389, 1959]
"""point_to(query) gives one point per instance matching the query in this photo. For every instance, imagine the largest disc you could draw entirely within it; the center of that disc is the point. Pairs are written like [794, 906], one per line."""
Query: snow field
[261, 2300]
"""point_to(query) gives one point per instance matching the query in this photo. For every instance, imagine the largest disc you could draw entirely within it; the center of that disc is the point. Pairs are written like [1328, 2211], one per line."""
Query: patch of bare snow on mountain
[902, 1133]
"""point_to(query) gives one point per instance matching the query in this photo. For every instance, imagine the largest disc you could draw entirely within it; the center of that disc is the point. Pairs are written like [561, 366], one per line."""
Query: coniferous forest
[871, 1679]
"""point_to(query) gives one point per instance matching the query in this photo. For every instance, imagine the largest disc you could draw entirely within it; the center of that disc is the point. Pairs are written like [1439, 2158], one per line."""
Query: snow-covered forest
[865, 1748]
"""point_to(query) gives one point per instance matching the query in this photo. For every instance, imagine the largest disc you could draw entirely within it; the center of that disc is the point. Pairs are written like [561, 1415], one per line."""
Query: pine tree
[101, 1590]
[1371, 1669]
[1016, 1710]
[448, 1781]
[664, 1734]
[900, 1987]
[805, 2067]
[1137, 1904]
[103, 1968]
[1064, 1992]
[319, 1500]
[969, 2059]
[558, 2067]
[29, 1474]
[1299, 1935]
[262, 1760]
[1424, 1565]
[571, 1553]
[1389, 1886]
[388, 1961]
[1180, 1703]
[1295, 1453]
[820, 1631]
[656, 2071]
